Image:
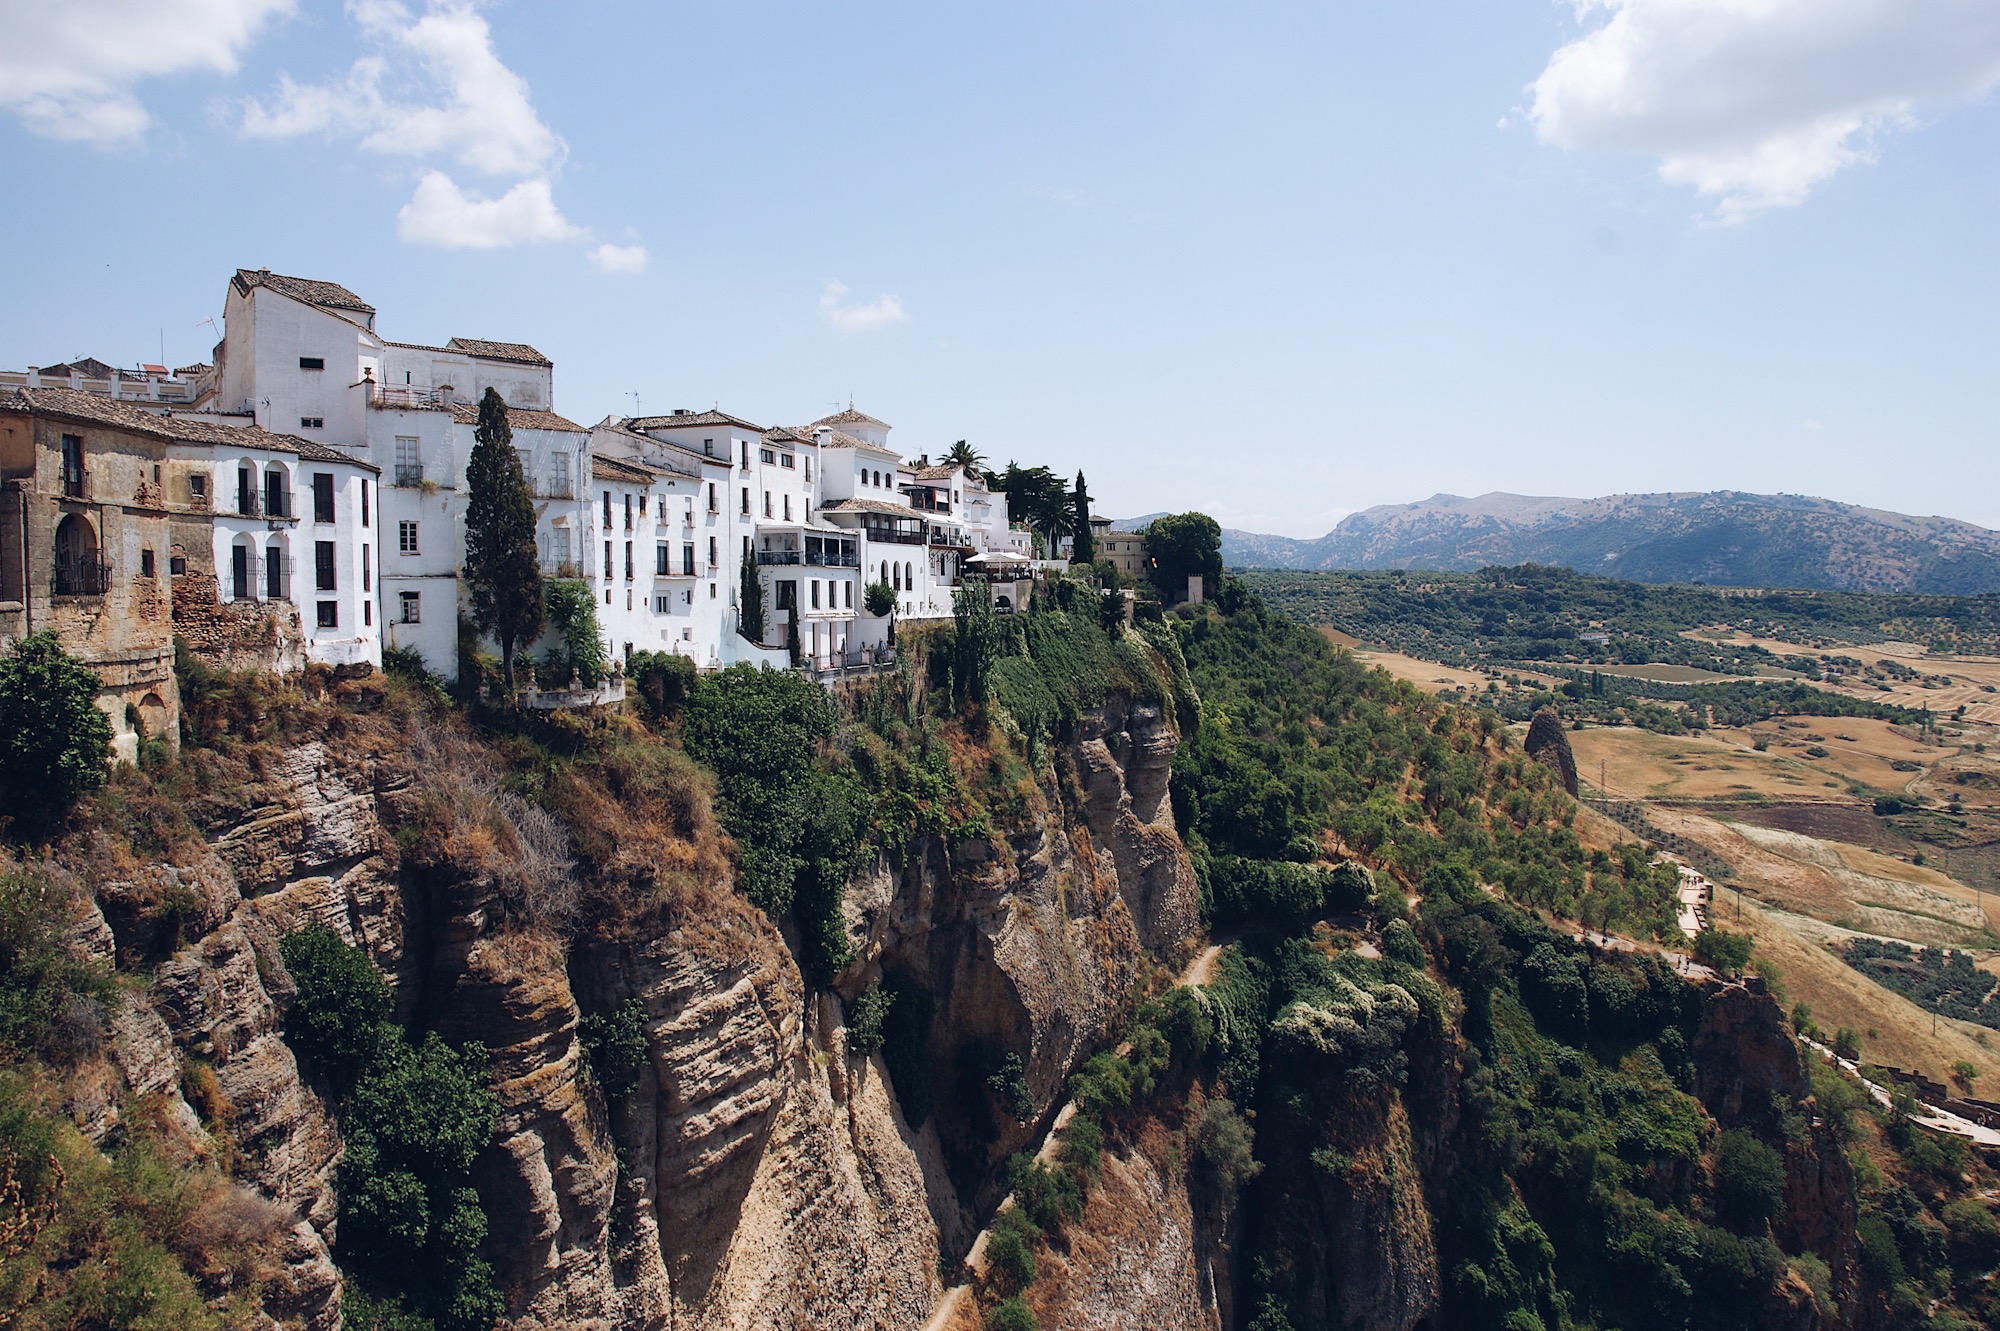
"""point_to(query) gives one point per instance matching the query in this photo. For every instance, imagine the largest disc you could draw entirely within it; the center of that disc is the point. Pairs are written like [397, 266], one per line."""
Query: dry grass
[1724, 764]
[1968, 674]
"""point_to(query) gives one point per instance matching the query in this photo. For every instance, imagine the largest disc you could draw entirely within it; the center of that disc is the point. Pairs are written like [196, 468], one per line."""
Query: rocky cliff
[754, 1173]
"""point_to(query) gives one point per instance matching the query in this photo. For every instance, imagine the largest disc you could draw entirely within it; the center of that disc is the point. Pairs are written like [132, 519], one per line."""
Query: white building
[293, 521]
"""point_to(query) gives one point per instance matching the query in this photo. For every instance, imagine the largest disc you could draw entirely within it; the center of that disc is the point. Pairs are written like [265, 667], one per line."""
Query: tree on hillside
[1180, 546]
[1083, 542]
[1036, 496]
[750, 614]
[962, 454]
[500, 562]
[53, 737]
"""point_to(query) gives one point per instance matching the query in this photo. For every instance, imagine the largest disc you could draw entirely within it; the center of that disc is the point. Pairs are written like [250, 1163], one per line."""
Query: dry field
[1724, 763]
[1426, 675]
[1969, 675]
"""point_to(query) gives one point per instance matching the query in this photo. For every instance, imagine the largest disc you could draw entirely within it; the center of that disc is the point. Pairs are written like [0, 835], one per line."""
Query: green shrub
[1973, 1240]
[1721, 951]
[1847, 1044]
[663, 682]
[406, 662]
[879, 599]
[1221, 1156]
[1400, 945]
[865, 1020]
[1010, 1251]
[338, 1017]
[1082, 1147]
[1009, 1084]
[1012, 1314]
[54, 740]
[616, 1045]
[1749, 1182]
[51, 1000]
[572, 616]
[1049, 1197]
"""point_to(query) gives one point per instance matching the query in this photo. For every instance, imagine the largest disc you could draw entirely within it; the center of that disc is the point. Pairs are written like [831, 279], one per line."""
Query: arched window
[896, 576]
[242, 570]
[909, 577]
[79, 572]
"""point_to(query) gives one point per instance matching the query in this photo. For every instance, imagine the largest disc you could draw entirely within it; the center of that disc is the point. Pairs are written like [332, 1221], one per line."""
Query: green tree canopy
[53, 737]
[962, 454]
[500, 562]
[572, 612]
[1184, 545]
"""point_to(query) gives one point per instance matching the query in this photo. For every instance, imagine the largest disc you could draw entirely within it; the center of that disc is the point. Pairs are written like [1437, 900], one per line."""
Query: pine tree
[1083, 541]
[500, 563]
[750, 617]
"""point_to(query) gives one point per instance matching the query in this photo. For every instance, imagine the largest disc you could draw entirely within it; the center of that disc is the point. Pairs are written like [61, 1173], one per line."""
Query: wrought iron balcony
[83, 577]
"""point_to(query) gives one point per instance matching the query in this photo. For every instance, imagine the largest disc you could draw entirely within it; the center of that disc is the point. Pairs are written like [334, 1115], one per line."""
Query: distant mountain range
[1722, 537]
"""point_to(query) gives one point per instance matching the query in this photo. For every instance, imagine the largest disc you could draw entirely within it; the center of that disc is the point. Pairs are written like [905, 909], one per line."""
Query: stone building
[84, 541]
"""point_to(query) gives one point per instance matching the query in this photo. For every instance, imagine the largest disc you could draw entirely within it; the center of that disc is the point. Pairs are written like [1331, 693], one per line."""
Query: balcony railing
[894, 537]
[404, 395]
[555, 487]
[833, 559]
[409, 473]
[85, 577]
[276, 506]
[780, 557]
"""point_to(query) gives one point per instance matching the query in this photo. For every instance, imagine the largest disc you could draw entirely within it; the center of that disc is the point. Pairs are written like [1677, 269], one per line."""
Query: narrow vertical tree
[1083, 542]
[750, 613]
[500, 562]
[54, 739]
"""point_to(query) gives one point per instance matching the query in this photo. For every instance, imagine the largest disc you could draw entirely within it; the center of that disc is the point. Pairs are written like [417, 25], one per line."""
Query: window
[746, 501]
[409, 460]
[662, 559]
[364, 501]
[788, 508]
[72, 465]
[323, 566]
[628, 512]
[809, 469]
[607, 508]
[406, 538]
[177, 565]
[767, 503]
[659, 605]
[412, 607]
[277, 493]
[198, 489]
[367, 612]
[323, 496]
[367, 572]
[766, 456]
[607, 571]
[329, 614]
[708, 448]
[312, 422]
[628, 561]
[711, 591]
[787, 461]
[146, 564]
[687, 559]
[239, 572]
[711, 496]
[711, 552]
[746, 455]
[312, 362]
[815, 593]
[847, 595]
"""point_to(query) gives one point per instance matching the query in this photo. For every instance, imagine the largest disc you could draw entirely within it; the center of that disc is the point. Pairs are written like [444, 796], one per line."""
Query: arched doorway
[78, 569]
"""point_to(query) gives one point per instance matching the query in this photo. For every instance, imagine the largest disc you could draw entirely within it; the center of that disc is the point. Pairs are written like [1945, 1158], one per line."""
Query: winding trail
[1199, 972]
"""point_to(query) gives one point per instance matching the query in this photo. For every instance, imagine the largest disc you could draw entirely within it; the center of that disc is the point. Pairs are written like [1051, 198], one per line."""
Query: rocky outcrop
[1548, 745]
[1746, 1063]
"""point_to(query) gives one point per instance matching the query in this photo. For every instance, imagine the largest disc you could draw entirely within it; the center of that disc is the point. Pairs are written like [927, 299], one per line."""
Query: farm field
[1724, 764]
[1429, 676]
[1970, 675]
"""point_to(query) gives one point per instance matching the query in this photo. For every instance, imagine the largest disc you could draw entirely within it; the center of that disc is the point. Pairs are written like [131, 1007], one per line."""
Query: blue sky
[1278, 262]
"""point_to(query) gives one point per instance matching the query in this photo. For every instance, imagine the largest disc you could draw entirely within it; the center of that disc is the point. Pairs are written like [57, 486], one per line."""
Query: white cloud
[608, 258]
[436, 88]
[440, 213]
[68, 69]
[852, 318]
[1755, 102]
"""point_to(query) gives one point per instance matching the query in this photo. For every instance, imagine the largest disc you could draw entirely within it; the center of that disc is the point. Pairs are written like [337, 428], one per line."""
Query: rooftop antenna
[635, 402]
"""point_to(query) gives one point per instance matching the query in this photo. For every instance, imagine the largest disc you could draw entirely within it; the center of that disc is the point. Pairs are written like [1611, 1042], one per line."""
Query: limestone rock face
[1131, 1264]
[1549, 746]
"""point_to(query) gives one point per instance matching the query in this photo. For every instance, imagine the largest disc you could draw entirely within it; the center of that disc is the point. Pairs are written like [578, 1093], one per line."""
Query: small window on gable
[312, 362]
[312, 422]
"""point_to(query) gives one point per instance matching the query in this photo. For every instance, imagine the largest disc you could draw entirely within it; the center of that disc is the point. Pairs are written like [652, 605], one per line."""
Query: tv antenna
[635, 402]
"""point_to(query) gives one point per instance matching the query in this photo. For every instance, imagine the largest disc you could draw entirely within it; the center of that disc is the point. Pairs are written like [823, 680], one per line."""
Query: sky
[1276, 261]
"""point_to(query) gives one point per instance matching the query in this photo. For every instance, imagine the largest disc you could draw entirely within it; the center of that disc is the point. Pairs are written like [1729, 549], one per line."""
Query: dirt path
[1927, 1115]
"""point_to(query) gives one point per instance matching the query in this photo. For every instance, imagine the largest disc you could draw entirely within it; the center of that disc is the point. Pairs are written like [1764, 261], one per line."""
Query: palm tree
[962, 454]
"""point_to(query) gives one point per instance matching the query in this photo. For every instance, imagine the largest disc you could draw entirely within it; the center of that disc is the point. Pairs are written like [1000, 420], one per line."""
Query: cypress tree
[750, 619]
[1083, 542]
[500, 562]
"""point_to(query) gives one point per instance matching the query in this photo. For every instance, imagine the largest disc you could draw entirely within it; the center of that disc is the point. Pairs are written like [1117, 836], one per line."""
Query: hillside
[1247, 972]
[1723, 537]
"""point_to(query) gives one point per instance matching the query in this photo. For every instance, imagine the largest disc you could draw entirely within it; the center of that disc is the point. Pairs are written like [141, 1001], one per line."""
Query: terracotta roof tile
[870, 506]
[518, 418]
[851, 417]
[93, 407]
[519, 352]
[326, 295]
[679, 419]
[625, 470]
